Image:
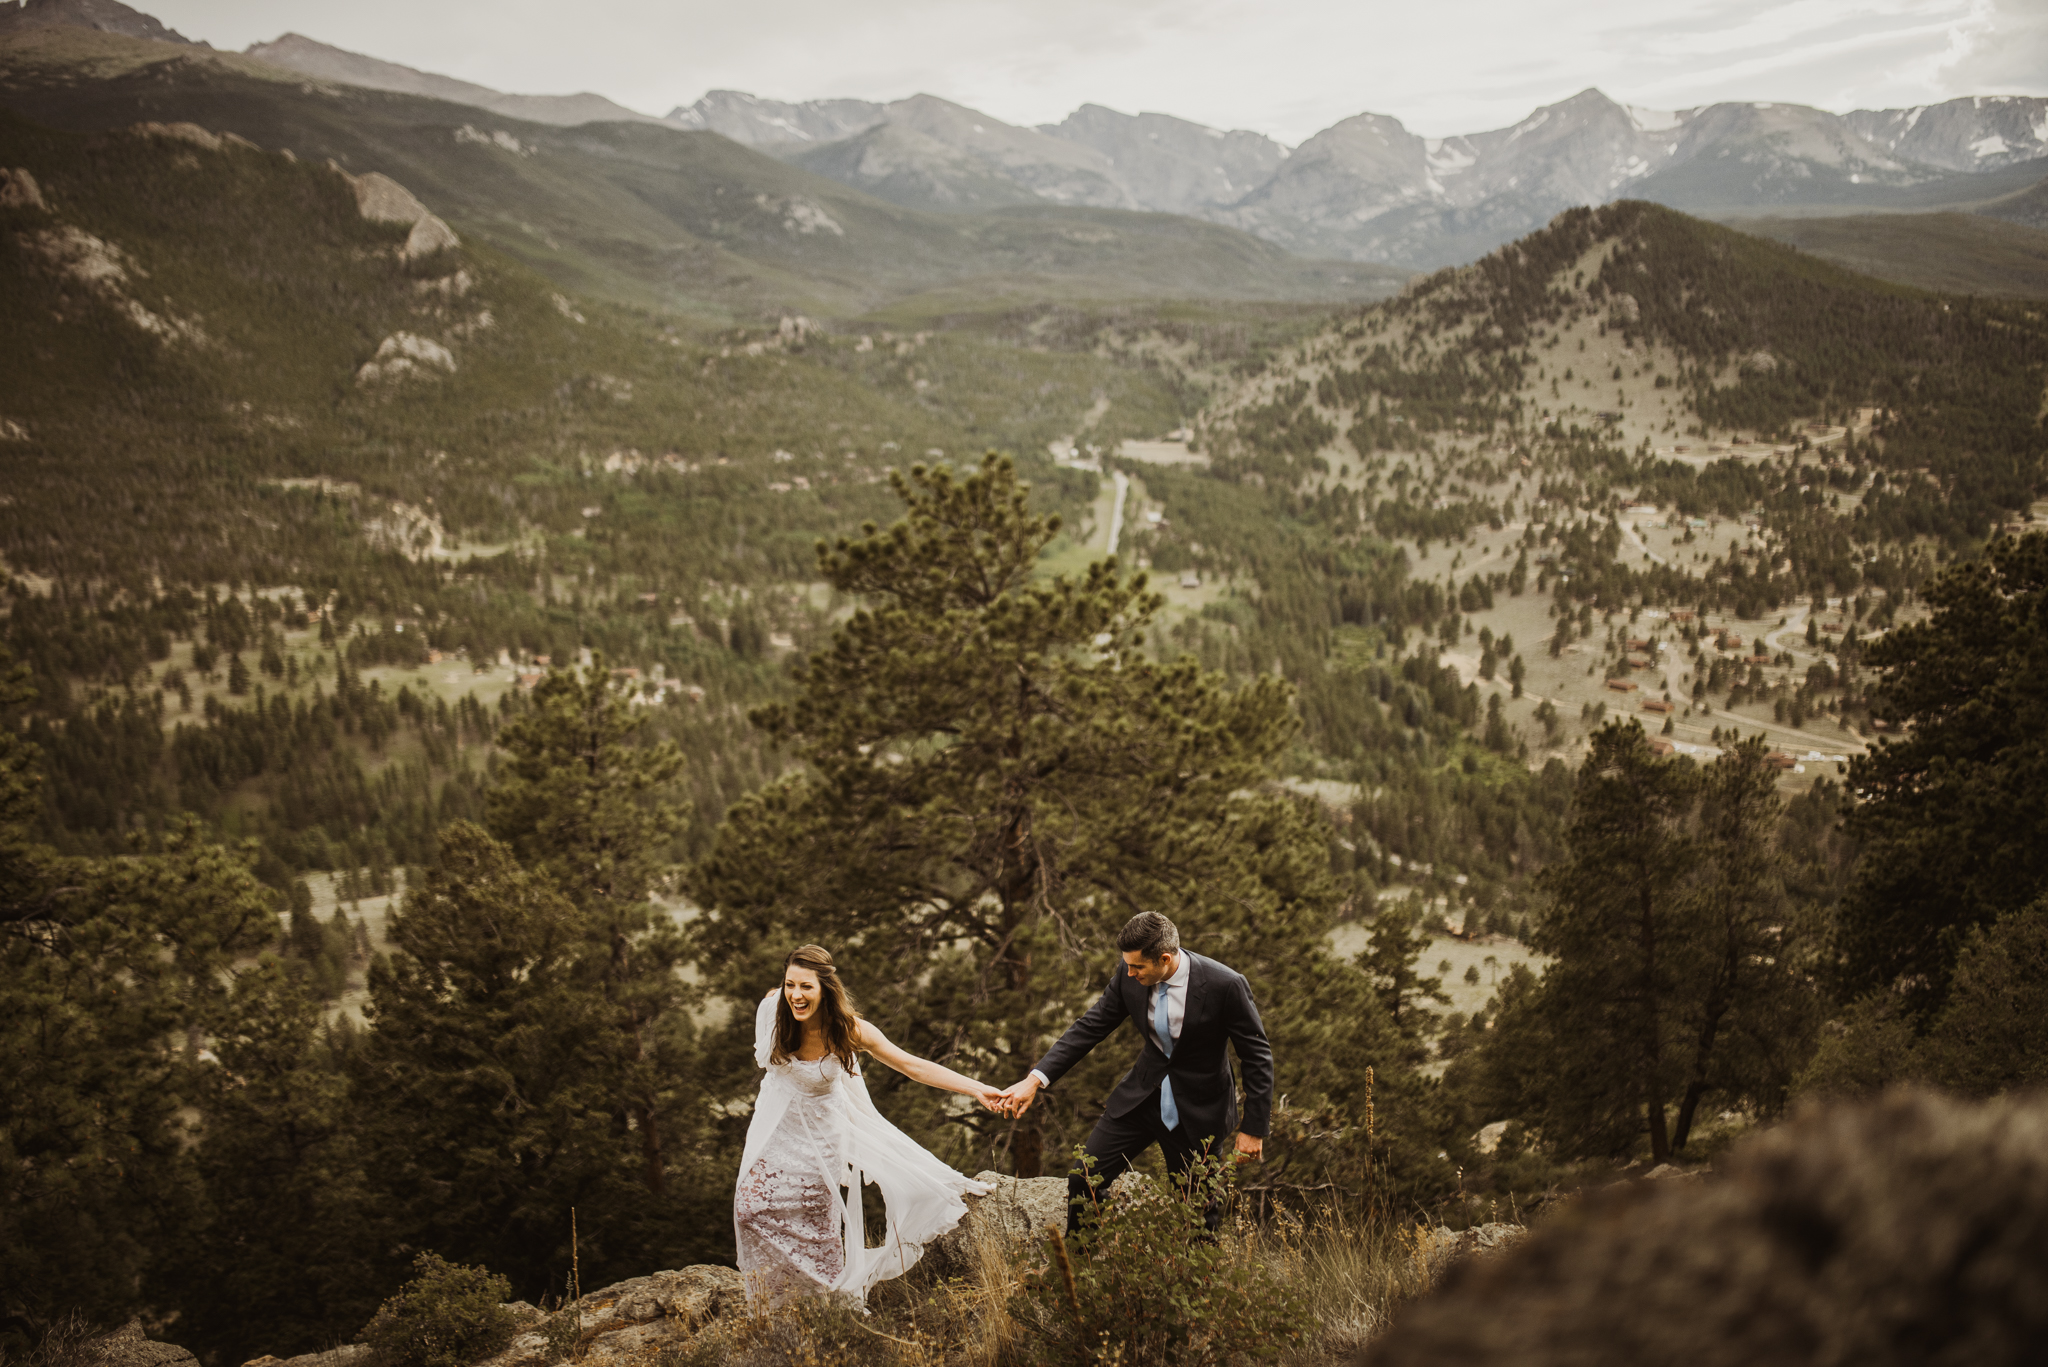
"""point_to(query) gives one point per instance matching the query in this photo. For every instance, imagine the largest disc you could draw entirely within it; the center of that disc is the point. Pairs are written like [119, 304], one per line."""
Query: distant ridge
[296, 52]
[108, 16]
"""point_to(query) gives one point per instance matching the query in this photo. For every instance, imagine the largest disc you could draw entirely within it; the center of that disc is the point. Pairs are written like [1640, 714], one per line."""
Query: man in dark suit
[1179, 1094]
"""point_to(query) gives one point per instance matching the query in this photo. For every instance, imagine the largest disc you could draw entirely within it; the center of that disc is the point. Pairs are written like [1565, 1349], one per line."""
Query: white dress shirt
[1176, 1005]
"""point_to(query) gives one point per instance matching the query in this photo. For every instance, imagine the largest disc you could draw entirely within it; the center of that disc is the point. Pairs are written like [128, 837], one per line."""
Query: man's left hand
[1249, 1146]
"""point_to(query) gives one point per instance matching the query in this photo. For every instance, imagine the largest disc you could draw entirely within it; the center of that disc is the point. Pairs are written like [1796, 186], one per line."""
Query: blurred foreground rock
[1908, 1230]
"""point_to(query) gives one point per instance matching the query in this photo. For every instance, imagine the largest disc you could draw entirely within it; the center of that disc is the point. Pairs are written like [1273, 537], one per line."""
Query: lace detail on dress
[787, 1213]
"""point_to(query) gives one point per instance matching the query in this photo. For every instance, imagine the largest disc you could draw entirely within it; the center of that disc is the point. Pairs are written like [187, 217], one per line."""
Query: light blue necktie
[1163, 1026]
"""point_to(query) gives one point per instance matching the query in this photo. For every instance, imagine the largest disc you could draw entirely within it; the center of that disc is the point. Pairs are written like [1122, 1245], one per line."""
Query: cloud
[1288, 70]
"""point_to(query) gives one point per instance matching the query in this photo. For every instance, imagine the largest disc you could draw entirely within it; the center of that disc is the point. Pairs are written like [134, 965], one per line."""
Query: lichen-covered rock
[693, 1296]
[1016, 1209]
[348, 1355]
[1443, 1246]
[629, 1321]
[429, 235]
[129, 1347]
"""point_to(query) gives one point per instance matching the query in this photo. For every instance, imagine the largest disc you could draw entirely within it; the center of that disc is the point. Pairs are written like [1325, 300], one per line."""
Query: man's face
[1151, 972]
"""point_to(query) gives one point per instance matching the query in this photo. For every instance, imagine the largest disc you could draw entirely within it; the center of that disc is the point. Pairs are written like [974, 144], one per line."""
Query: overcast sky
[1288, 69]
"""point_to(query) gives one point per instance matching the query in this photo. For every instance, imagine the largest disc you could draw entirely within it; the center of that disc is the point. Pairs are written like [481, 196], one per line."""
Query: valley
[482, 574]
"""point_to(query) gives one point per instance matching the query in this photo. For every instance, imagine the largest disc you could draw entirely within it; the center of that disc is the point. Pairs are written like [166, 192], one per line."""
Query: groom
[1180, 1094]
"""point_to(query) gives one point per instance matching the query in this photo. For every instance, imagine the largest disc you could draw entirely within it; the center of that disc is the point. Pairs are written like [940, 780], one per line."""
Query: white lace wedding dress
[814, 1137]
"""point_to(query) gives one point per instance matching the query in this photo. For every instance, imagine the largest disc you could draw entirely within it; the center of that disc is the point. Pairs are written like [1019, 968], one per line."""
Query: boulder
[693, 1296]
[631, 1321]
[381, 199]
[1016, 1209]
[429, 235]
[18, 190]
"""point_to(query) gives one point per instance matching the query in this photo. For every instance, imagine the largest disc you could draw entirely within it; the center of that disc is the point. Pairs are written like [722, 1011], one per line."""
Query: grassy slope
[654, 216]
[1951, 253]
[148, 457]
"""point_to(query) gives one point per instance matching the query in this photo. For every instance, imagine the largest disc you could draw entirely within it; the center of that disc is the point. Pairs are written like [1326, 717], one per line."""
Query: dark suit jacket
[1220, 1010]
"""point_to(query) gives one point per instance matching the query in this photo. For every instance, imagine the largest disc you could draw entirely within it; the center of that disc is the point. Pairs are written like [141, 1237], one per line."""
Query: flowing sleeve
[764, 1031]
[923, 1197]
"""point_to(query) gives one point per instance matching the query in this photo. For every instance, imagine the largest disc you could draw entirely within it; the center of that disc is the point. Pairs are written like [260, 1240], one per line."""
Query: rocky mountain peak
[107, 16]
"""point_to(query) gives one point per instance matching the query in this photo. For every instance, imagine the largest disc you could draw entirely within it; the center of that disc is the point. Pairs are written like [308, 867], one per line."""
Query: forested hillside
[441, 697]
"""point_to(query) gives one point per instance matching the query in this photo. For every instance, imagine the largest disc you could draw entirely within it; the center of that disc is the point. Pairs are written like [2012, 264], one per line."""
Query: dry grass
[1353, 1272]
[71, 1341]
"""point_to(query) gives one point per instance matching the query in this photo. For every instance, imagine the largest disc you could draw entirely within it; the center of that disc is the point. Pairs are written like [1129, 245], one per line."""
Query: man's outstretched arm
[1084, 1034]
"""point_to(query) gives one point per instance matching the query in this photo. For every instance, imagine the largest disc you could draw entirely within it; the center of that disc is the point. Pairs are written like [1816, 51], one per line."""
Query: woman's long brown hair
[835, 1014]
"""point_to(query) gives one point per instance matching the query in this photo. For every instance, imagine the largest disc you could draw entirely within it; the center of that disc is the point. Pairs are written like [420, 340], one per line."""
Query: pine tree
[1952, 814]
[998, 779]
[286, 1259]
[1617, 929]
[586, 806]
[1390, 958]
[485, 1107]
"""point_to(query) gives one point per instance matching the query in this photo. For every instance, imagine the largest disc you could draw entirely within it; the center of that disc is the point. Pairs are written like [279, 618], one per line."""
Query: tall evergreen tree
[480, 1085]
[1685, 969]
[998, 777]
[584, 804]
[1953, 813]
[286, 1258]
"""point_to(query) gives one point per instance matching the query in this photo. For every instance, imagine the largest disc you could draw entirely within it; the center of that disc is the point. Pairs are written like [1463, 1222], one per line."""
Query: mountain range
[1369, 189]
[1364, 190]
[659, 217]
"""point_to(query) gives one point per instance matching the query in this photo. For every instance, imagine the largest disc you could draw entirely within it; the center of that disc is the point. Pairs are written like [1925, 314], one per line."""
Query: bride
[815, 1136]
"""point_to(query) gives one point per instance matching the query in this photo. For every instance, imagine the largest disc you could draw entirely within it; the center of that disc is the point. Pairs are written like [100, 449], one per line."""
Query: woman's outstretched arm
[867, 1037]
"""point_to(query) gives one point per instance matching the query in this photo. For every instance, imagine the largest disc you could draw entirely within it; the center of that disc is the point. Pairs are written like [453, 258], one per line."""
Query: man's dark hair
[1150, 934]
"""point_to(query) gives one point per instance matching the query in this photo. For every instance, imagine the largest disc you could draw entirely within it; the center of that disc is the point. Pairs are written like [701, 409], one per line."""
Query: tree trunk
[1703, 1050]
[1681, 1129]
[1653, 1041]
[650, 1149]
[1660, 1143]
[1027, 1147]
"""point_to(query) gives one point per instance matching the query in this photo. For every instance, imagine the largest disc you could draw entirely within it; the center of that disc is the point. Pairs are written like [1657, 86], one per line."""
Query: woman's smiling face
[801, 990]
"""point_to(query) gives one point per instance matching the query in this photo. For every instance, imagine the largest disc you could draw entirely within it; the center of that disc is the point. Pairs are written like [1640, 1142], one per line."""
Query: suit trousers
[1116, 1141]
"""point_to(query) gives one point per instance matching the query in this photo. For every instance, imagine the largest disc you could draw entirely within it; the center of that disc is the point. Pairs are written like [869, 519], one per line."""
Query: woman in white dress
[815, 1136]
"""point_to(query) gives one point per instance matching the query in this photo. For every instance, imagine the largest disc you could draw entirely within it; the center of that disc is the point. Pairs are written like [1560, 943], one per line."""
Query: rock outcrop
[348, 1355]
[633, 1320]
[130, 1347]
[381, 199]
[18, 190]
[1015, 1210]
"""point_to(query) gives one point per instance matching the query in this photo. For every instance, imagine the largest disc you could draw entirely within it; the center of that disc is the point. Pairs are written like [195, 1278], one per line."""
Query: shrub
[446, 1316]
[1144, 1284]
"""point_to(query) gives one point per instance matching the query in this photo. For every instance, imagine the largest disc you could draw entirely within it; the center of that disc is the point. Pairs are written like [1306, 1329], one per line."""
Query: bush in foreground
[446, 1316]
[1143, 1283]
